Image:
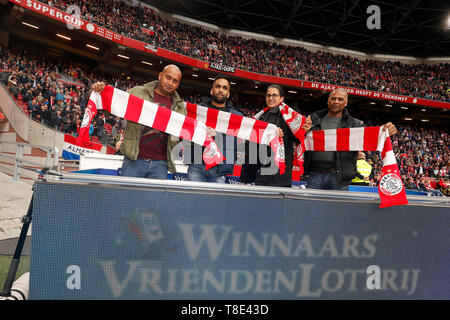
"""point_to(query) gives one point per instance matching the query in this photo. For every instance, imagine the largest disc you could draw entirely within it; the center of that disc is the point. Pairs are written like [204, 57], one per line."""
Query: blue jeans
[140, 168]
[197, 172]
[324, 181]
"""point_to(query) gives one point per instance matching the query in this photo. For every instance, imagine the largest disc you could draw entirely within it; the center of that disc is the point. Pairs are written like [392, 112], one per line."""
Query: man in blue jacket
[220, 92]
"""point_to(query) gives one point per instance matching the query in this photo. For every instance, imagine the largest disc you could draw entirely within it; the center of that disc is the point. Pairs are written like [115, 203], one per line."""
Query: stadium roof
[416, 28]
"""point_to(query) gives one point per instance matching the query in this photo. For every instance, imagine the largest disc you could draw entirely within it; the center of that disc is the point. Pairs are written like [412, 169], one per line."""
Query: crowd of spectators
[423, 158]
[429, 81]
[55, 92]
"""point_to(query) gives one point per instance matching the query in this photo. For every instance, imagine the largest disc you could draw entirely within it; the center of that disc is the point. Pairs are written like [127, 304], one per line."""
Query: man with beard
[220, 92]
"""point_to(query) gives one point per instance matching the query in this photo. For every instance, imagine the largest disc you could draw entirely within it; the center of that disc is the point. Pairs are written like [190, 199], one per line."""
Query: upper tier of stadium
[269, 57]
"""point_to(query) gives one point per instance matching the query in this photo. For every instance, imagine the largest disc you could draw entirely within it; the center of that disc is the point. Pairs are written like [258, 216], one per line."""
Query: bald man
[334, 170]
[148, 152]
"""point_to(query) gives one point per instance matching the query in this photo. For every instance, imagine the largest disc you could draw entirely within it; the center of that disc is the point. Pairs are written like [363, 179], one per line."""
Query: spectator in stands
[115, 129]
[40, 98]
[57, 122]
[66, 122]
[334, 170]
[411, 185]
[118, 138]
[220, 92]
[32, 106]
[46, 115]
[148, 151]
[13, 87]
[99, 126]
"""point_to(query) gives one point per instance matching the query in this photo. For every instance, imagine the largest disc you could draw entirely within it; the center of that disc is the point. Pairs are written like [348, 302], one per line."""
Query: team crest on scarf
[299, 155]
[211, 150]
[391, 184]
[86, 118]
[280, 152]
[295, 124]
[212, 155]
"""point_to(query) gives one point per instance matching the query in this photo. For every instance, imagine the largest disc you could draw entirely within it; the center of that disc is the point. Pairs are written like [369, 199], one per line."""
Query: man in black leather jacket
[331, 170]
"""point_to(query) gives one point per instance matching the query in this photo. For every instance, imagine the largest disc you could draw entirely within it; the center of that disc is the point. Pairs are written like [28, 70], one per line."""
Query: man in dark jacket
[332, 170]
[227, 144]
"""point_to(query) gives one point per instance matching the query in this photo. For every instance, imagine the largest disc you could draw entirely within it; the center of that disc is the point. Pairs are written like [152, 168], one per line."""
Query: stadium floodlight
[292, 91]
[408, 119]
[424, 120]
[233, 83]
[64, 37]
[195, 75]
[30, 25]
[405, 108]
[149, 63]
[122, 56]
[389, 105]
[92, 47]
[373, 103]
[424, 110]
[212, 79]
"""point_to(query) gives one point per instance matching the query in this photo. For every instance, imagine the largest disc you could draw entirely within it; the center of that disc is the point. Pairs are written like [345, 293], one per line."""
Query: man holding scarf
[148, 151]
[334, 170]
[220, 92]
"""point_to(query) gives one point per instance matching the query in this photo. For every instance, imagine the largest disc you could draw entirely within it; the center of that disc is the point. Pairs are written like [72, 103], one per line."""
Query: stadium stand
[35, 80]
[141, 23]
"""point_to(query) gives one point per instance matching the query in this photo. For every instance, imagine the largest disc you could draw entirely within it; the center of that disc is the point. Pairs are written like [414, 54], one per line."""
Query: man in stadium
[334, 170]
[148, 151]
[220, 92]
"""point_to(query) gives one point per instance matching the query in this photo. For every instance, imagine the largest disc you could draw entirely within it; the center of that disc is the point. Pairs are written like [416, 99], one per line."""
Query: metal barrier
[18, 161]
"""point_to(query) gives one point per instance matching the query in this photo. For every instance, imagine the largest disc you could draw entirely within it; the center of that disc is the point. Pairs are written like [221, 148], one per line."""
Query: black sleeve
[359, 175]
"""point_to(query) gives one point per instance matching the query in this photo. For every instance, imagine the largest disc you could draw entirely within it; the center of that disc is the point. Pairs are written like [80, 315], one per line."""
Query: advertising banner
[72, 20]
[101, 242]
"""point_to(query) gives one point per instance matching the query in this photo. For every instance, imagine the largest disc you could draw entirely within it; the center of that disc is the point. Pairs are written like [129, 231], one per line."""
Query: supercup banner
[72, 20]
[128, 243]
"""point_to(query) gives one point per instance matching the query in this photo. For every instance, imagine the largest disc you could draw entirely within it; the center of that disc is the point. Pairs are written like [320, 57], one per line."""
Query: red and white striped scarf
[132, 108]
[194, 127]
[244, 128]
[295, 121]
[390, 188]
